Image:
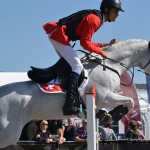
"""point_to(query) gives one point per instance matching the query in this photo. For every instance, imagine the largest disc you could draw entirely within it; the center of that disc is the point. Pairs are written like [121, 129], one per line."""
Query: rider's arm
[89, 25]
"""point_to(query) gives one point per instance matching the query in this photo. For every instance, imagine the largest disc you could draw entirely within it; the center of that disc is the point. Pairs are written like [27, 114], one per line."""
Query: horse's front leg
[121, 105]
[113, 99]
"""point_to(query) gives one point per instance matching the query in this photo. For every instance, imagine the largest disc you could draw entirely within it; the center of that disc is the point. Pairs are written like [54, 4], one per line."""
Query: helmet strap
[109, 18]
[107, 13]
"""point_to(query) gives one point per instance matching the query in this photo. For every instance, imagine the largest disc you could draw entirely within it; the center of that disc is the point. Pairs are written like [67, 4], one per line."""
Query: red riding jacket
[86, 28]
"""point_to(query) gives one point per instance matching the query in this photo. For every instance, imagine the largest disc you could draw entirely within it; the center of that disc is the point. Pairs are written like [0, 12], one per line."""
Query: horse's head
[145, 63]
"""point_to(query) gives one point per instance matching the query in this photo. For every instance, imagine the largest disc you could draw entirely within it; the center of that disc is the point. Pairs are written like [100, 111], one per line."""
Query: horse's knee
[130, 105]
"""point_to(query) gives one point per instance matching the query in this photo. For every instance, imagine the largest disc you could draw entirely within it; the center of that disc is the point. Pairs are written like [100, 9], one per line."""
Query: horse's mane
[126, 42]
[120, 46]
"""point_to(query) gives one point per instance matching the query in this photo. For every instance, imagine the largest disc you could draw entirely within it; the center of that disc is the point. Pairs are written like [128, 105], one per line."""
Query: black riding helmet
[110, 4]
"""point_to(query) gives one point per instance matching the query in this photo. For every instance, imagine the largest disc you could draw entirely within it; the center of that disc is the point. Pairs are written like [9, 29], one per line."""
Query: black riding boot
[70, 106]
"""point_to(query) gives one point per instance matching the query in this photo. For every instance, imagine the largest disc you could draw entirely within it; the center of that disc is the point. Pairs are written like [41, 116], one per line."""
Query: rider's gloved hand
[104, 55]
[113, 41]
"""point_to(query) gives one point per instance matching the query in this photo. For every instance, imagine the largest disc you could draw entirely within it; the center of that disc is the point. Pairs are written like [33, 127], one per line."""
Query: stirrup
[81, 114]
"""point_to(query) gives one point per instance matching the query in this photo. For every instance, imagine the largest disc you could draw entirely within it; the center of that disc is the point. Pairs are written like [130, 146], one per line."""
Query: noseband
[149, 60]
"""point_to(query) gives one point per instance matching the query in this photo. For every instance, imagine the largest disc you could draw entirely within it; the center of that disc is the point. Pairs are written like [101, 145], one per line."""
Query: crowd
[46, 131]
[135, 131]
[74, 129]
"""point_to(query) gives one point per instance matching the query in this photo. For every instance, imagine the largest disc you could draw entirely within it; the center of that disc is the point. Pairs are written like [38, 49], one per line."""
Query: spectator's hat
[139, 123]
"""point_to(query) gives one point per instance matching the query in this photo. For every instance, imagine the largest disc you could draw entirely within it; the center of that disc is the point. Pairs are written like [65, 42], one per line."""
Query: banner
[130, 91]
[148, 87]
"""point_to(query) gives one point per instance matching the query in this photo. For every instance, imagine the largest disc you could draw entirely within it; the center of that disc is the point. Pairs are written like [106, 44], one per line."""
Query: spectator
[106, 133]
[70, 130]
[132, 132]
[32, 129]
[81, 133]
[60, 134]
[140, 132]
[43, 135]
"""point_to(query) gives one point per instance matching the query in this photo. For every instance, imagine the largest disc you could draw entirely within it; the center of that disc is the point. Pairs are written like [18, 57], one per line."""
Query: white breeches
[68, 53]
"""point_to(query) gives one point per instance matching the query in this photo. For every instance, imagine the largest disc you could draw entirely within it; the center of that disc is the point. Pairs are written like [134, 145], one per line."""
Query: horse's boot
[118, 112]
[70, 106]
[57, 68]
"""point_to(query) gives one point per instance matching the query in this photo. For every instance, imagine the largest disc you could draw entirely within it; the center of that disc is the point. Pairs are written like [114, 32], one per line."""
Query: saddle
[61, 70]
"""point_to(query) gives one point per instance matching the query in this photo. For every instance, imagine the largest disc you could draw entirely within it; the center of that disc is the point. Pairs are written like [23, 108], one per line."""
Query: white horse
[21, 102]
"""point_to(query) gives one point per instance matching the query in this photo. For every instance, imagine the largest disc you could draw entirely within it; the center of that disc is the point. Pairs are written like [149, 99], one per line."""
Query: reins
[125, 66]
[88, 57]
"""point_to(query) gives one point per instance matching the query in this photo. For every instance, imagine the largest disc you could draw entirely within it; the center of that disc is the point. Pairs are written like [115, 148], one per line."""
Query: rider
[85, 30]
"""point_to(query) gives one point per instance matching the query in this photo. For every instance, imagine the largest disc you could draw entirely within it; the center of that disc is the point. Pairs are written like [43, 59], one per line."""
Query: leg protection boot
[72, 97]
[118, 112]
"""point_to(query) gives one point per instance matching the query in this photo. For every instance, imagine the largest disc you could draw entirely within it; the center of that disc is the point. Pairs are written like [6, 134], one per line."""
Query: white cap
[139, 123]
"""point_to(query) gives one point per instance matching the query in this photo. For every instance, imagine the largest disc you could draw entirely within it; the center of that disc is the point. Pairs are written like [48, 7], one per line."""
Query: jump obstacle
[91, 120]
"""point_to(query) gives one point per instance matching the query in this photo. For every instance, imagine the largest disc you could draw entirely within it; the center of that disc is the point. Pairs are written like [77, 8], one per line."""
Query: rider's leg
[71, 57]
[70, 106]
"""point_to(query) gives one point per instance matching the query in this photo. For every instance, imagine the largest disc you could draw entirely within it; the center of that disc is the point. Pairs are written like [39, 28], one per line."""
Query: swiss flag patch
[51, 88]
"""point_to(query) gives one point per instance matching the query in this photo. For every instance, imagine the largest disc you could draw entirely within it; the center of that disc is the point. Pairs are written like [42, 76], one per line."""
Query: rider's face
[113, 14]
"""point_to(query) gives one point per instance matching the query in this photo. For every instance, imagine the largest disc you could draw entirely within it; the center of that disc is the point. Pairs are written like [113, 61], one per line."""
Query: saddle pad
[51, 88]
[54, 86]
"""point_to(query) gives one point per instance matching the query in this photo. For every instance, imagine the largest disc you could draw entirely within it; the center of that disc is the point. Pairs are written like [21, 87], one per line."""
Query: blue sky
[23, 42]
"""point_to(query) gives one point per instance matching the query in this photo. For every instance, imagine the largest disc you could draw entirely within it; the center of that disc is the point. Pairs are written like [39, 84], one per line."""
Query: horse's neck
[127, 52]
